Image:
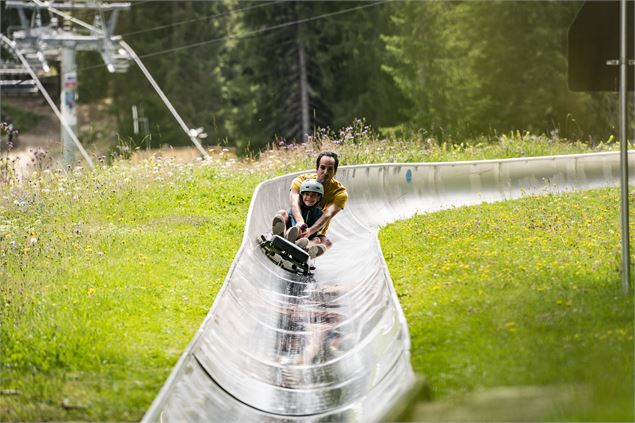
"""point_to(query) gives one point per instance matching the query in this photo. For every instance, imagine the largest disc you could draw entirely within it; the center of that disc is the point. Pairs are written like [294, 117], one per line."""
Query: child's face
[310, 198]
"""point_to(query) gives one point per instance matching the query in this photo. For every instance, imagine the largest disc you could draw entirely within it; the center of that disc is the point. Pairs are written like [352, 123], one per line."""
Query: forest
[256, 72]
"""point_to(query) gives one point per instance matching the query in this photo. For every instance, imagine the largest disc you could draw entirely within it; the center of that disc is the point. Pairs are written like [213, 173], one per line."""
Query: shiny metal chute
[334, 346]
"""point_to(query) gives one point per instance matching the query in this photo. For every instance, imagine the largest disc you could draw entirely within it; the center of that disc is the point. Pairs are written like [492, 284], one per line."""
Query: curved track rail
[335, 347]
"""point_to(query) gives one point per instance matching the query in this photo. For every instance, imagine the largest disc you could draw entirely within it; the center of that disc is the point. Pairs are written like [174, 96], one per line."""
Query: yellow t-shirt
[334, 193]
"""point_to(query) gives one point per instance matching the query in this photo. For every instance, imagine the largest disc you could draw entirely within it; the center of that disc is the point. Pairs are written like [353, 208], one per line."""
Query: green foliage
[273, 71]
[473, 68]
[523, 292]
[342, 52]
[356, 85]
[358, 143]
[452, 69]
[93, 77]
[21, 119]
[8, 135]
[190, 77]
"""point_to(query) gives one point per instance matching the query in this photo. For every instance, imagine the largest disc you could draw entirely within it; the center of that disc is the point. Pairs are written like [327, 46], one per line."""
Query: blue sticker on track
[409, 176]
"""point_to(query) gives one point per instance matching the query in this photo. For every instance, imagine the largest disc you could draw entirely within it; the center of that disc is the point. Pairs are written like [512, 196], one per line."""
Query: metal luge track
[277, 346]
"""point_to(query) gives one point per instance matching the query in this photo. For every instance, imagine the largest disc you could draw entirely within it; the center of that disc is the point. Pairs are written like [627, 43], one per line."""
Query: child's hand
[304, 229]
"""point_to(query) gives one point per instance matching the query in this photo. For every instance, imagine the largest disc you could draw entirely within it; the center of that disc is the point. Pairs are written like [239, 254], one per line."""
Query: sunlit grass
[523, 292]
[359, 144]
[107, 275]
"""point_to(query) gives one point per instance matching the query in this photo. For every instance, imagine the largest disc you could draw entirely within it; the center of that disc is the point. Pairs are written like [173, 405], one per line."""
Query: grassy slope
[123, 271]
[523, 292]
[106, 275]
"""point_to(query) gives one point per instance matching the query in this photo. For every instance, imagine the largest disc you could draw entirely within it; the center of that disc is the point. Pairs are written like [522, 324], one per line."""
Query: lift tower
[59, 41]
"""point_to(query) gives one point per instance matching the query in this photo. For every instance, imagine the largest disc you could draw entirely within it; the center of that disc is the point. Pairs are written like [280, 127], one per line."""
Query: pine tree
[473, 68]
[189, 75]
[279, 67]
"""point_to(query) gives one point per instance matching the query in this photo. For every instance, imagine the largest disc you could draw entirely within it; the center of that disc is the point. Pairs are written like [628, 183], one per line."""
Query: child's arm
[329, 213]
[294, 202]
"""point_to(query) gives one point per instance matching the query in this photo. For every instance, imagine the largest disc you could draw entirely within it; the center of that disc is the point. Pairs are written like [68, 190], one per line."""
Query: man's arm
[329, 213]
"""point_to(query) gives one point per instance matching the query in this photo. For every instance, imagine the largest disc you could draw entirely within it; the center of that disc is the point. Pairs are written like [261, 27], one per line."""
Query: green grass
[106, 279]
[358, 145]
[106, 275]
[519, 293]
[22, 119]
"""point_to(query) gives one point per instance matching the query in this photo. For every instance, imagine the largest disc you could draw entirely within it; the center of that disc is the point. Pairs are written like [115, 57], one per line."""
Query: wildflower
[511, 327]
[33, 241]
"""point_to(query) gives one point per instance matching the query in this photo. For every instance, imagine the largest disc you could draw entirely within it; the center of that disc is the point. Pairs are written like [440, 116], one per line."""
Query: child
[284, 223]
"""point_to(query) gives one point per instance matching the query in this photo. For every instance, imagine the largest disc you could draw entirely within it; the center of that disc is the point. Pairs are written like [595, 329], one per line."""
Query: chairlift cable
[230, 12]
[251, 33]
[266, 29]
[69, 17]
[227, 37]
[140, 2]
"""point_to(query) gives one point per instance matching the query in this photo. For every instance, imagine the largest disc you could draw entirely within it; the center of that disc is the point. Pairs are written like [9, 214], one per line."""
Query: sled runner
[286, 254]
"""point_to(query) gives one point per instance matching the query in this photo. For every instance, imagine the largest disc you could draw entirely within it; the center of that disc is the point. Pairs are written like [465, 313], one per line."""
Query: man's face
[326, 169]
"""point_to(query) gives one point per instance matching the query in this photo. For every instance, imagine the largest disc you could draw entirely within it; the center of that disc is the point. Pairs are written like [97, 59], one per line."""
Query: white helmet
[311, 185]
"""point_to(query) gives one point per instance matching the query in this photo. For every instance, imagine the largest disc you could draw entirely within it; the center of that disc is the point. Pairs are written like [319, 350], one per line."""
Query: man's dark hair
[327, 154]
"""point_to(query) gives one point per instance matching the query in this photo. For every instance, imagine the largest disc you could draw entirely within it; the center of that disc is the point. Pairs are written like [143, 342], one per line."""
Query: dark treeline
[251, 72]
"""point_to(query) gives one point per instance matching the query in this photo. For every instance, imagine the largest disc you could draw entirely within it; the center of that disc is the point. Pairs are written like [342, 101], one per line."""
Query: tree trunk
[304, 87]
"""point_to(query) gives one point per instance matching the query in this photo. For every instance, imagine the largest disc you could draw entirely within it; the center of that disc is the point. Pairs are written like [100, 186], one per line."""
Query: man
[333, 201]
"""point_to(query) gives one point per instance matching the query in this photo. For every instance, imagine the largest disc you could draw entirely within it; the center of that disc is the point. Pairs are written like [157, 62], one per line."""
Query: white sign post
[68, 101]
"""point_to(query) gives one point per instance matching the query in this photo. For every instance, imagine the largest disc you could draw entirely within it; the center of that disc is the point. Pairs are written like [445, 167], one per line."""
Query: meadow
[524, 293]
[107, 274]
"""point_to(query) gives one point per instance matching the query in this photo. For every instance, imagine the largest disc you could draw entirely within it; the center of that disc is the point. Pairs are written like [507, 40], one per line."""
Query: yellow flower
[511, 327]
